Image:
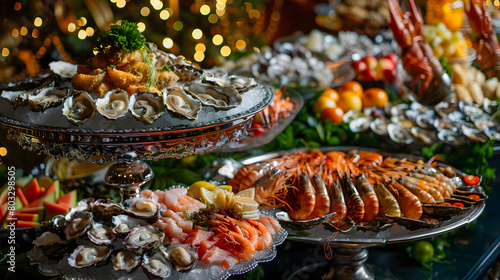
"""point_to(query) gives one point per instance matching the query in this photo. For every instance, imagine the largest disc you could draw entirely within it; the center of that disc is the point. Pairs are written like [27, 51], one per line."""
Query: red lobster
[485, 42]
[429, 82]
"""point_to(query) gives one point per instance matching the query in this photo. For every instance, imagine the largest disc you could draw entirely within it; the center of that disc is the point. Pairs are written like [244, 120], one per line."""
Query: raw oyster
[142, 208]
[144, 238]
[473, 133]
[53, 246]
[124, 224]
[146, 107]
[47, 97]
[399, 134]
[186, 72]
[126, 260]
[63, 69]
[157, 265]
[182, 256]
[222, 98]
[100, 234]
[113, 105]
[379, 126]
[359, 124]
[241, 83]
[79, 108]
[104, 209]
[88, 255]
[17, 92]
[428, 137]
[82, 206]
[79, 225]
[181, 103]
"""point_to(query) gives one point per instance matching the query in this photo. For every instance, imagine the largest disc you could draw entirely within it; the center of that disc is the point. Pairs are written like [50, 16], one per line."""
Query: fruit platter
[174, 234]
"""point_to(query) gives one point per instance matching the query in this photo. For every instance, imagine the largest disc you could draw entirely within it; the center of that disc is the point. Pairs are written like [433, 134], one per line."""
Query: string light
[71, 27]
[217, 39]
[5, 52]
[82, 34]
[197, 33]
[225, 51]
[145, 11]
[38, 21]
[168, 43]
[164, 14]
[141, 26]
[205, 9]
[15, 32]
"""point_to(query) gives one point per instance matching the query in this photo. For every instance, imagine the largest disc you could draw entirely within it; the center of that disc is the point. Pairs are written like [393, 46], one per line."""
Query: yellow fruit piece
[248, 193]
[207, 196]
[322, 103]
[331, 93]
[252, 215]
[350, 101]
[228, 188]
[195, 189]
[224, 199]
[245, 204]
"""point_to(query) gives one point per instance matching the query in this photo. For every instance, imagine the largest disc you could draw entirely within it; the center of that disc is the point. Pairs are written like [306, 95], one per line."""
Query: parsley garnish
[166, 68]
[112, 66]
[126, 35]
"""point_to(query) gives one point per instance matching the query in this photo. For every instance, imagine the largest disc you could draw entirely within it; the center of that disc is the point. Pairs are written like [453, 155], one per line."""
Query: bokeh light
[15, 32]
[145, 11]
[178, 25]
[82, 34]
[217, 39]
[89, 31]
[168, 43]
[3, 151]
[205, 10]
[199, 56]
[71, 27]
[241, 44]
[225, 51]
[197, 33]
[164, 15]
[200, 47]
[24, 31]
[5, 52]
[141, 26]
[38, 21]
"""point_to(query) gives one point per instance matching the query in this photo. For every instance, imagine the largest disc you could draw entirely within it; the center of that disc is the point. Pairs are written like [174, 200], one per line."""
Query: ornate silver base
[129, 176]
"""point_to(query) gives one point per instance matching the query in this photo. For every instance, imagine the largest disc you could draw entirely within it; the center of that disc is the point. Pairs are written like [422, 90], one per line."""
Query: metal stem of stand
[129, 176]
[348, 263]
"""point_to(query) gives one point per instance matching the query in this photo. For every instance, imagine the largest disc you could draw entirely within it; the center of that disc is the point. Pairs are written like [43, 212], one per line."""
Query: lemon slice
[245, 204]
[224, 198]
[252, 215]
[248, 193]
[207, 196]
[195, 189]
[229, 188]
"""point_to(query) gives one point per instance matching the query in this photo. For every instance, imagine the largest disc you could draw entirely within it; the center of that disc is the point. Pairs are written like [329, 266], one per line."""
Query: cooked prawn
[369, 197]
[322, 205]
[305, 199]
[388, 203]
[411, 207]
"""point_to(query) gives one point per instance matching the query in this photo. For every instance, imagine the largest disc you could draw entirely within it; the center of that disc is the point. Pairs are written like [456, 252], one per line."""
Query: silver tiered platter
[350, 247]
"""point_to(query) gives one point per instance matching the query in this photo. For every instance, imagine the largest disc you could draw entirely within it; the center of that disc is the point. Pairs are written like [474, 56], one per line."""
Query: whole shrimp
[436, 194]
[322, 206]
[445, 189]
[388, 203]
[337, 201]
[422, 195]
[369, 197]
[305, 199]
[411, 207]
[355, 205]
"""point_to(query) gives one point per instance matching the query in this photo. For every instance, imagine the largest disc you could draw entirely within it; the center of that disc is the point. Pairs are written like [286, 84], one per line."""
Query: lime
[249, 193]
[422, 251]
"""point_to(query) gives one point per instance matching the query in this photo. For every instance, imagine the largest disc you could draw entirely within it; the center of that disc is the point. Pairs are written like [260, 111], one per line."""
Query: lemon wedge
[207, 196]
[229, 188]
[252, 215]
[224, 198]
[245, 204]
[248, 193]
[195, 189]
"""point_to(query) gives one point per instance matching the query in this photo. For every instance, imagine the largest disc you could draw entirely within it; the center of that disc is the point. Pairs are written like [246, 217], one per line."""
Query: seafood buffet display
[170, 234]
[357, 188]
[454, 123]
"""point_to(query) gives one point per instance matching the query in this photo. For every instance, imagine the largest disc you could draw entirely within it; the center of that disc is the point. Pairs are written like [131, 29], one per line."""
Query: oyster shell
[181, 103]
[146, 107]
[126, 260]
[242, 84]
[124, 224]
[157, 265]
[399, 134]
[222, 98]
[63, 69]
[53, 246]
[186, 72]
[142, 208]
[47, 97]
[100, 234]
[113, 105]
[144, 238]
[104, 209]
[427, 137]
[79, 108]
[17, 92]
[79, 225]
[182, 256]
[88, 255]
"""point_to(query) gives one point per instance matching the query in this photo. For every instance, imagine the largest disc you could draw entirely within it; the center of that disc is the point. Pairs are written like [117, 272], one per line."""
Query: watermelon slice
[3, 211]
[25, 224]
[4, 192]
[39, 202]
[34, 210]
[22, 197]
[52, 209]
[28, 217]
[54, 187]
[69, 199]
[32, 190]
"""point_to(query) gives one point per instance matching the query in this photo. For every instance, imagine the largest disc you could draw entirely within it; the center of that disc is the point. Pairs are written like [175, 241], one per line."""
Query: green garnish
[166, 68]
[112, 66]
[126, 35]
[152, 74]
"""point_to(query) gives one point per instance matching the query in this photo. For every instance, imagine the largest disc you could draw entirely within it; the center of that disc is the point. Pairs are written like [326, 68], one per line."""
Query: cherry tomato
[458, 204]
[257, 130]
[474, 197]
[472, 180]
[445, 203]
[334, 114]
[422, 251]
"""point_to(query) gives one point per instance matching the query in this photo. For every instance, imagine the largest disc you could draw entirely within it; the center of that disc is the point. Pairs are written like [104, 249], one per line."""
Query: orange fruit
[374, 97]
[333, 94]
[322, 103]
[350, 101]
[334, 114]
[351, 86]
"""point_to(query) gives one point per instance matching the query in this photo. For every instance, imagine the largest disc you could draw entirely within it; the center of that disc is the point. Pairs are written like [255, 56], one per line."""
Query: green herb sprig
[125, 35]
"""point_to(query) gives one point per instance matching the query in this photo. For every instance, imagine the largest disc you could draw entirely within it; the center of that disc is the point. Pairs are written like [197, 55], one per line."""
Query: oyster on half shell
[47, 97]
[124, 224]
[179, 102]
[79, 225]
[144, 238]
[113, 105]
[79, 108]
[222, 98]
[53, 246]
[88, 255]
[182, 256]
[63, 69]
[101, 234]
[142, 208]
[126, 260]
[146, 107]
[157, 265]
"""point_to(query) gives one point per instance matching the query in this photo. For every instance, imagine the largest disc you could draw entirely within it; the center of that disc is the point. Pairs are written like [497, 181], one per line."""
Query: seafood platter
[130, 96]
[270, 122]
[360, 196]
[171, 234]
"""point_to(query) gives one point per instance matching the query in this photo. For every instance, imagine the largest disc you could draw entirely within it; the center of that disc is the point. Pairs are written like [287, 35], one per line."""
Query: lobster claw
[417, 18]
[401, 33]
